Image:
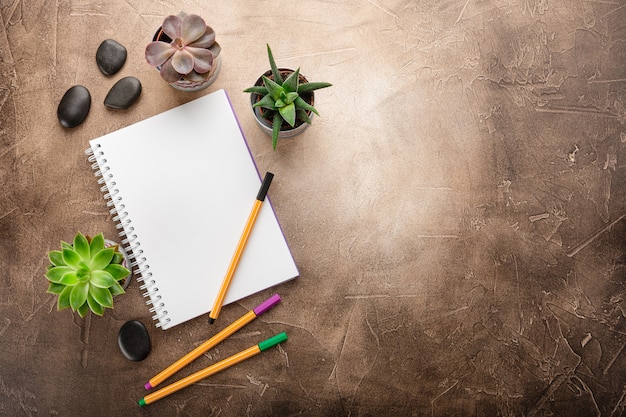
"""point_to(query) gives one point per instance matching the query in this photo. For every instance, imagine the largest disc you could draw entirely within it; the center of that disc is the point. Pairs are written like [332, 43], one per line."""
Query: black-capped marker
[219, 300]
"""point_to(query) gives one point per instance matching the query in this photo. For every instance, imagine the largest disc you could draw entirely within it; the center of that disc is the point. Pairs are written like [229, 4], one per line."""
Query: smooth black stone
[123, 93]
[110, 56]
[74, 106]
[134, 341]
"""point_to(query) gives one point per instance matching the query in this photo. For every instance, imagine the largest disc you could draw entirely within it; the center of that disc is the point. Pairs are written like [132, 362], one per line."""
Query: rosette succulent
[186, 49]
[283, 98]
[86, 274]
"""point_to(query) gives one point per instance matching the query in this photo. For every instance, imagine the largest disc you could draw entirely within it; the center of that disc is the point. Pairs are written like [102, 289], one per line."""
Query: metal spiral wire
[130, 241]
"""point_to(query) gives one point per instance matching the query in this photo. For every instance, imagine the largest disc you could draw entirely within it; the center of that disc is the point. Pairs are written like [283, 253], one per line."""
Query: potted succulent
[185, 52]
[282, 100]
[87, 274]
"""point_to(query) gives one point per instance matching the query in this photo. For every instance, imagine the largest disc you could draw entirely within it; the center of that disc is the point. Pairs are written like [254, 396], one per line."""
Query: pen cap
[266, 305]
[265, 186]
[272, 341]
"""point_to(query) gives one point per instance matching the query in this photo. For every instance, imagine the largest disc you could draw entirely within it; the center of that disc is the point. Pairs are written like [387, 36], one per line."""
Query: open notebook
[181, 185]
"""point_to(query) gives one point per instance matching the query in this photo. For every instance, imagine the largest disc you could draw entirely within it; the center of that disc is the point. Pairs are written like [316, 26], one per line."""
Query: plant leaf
[63, 301]
[158, 52]
[117, 271]
[55, 288]
[102, 279]
[266, 102]
[94, 305]
[192, 28]
[71, 258]
[258, 89]
[275, 72]
[202, 59]
[168, 73]
[172, 26]
[79, 295]
[290, 97]
[182, 61]
[301, 104]
[69, 278]
[215, 49]
[277, 122]
[195, 76]
[56, 273]
[303, 115]
[102, 296]
[308, 87]
[56, 258]
[83, 310]
[117, 289]
[288, 113]
[117, 258]
[97, 244]
[291, 83]
[273, 89]
[65, 245]
[83, 274]
[81, 246]
[101, 259]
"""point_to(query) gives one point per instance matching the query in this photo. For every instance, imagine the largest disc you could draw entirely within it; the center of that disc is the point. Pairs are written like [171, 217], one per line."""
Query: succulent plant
[187, 49]
[282, 98]
[85, 275]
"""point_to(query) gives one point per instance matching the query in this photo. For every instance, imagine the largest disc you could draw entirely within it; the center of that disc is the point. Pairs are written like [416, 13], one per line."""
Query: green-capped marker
[220, 366]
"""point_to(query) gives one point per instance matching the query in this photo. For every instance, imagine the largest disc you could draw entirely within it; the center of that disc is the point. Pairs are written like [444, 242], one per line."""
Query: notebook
[181, 185]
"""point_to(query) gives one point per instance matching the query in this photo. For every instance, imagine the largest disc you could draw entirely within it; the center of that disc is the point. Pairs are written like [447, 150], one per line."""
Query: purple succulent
[190, 53]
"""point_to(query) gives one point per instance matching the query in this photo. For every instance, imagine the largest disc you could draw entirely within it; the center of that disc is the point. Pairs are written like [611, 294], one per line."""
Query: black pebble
[123, 93]
[110, 56]
[74, 106]
[134, 341]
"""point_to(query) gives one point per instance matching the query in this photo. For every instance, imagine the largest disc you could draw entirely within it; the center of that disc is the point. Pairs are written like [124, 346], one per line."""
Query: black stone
[134, 341]
[74, 106]
[123, 93]
[110, 56]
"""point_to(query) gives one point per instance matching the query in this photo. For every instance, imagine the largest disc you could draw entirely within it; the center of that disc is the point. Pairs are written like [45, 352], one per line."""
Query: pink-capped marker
[219, 337]
[266, 305]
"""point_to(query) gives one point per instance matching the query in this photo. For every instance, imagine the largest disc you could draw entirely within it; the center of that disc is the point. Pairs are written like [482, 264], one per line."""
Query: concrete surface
[457, 211]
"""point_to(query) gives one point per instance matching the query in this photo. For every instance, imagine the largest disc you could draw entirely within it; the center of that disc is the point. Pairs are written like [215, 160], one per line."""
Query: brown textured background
[438, 210]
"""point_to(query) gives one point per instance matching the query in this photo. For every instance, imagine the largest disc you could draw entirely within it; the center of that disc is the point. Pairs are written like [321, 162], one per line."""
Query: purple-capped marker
[223, 335]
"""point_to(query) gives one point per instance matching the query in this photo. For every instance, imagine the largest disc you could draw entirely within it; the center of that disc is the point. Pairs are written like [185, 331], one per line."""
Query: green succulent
[86, 274]
[282, 98]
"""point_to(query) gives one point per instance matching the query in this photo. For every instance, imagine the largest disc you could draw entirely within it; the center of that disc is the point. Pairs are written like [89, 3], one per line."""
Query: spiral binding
[130, 242]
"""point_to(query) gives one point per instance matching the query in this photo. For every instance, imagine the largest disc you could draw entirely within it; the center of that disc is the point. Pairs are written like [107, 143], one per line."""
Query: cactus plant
[282, 98]
[86, 274]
